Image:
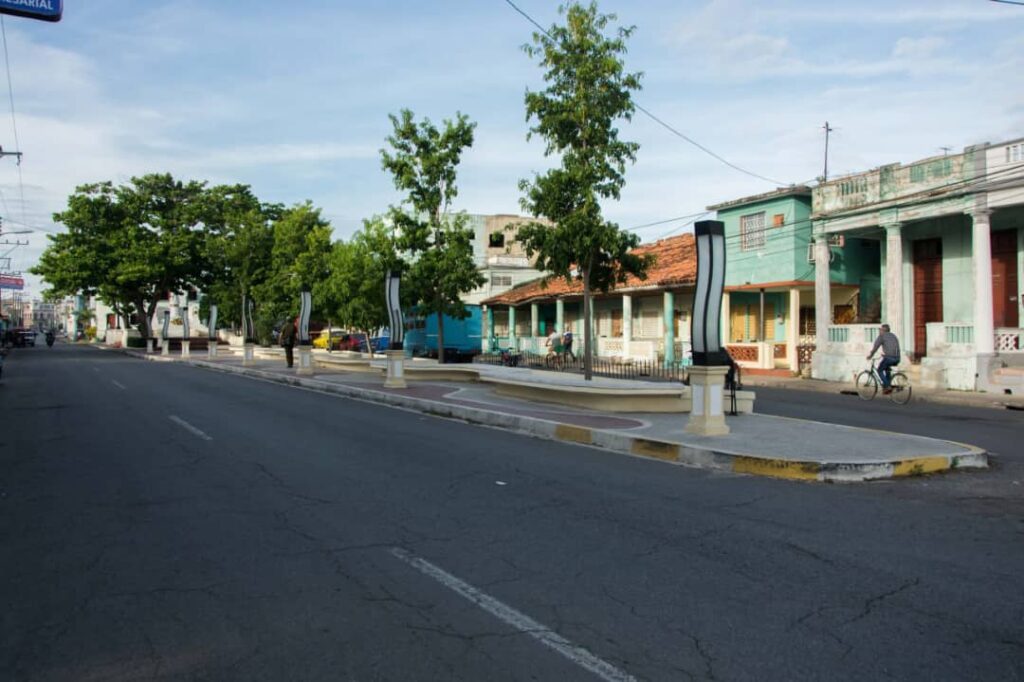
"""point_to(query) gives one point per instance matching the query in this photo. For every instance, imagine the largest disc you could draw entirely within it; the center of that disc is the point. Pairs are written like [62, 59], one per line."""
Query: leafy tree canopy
[422, 161]
[588, 92]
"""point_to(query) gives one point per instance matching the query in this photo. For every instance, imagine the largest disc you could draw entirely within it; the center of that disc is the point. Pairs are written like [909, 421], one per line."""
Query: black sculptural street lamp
[211, 348]
[706, 331]
[396, 323]
[396, 333]
[305, 345]
[305, 307]
[710, 361]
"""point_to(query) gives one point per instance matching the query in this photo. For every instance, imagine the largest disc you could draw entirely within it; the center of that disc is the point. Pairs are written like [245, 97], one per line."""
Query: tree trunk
[150, 311]
[588, 353]
[140, 305]
[440, 337]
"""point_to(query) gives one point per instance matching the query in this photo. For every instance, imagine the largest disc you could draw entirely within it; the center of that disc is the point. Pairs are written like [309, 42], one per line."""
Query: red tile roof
[675, 264]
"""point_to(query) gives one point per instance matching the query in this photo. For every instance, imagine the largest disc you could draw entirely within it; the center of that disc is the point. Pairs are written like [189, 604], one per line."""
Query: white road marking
[520, 621]
[188, 427]
[500, 483]
[118, 384]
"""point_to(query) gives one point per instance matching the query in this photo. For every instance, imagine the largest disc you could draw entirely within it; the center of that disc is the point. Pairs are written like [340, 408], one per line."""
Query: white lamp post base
[396, 369]
[305, 367]
[248, 354]
[707, 416]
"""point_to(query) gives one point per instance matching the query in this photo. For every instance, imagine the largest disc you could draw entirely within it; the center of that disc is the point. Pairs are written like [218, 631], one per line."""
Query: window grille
[751, 231]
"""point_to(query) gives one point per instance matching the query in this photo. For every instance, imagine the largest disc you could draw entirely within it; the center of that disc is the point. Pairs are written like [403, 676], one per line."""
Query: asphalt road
[163, 522]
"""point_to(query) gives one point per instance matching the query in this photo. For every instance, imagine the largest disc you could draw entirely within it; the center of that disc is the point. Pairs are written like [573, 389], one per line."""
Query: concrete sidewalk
[758, 444]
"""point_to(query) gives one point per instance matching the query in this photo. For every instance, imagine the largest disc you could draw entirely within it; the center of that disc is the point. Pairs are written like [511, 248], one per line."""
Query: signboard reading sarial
[45, 10]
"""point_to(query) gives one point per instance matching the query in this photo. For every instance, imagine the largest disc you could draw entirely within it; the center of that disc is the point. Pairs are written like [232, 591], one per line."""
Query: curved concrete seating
[652, 399]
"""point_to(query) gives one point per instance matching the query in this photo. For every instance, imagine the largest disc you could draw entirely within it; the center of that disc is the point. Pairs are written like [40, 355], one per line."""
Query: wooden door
[1004, 278]
[768, 324]
[737, 323]
[927, 290]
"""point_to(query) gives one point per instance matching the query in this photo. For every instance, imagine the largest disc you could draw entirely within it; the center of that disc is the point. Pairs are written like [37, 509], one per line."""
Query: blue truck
[462, 338]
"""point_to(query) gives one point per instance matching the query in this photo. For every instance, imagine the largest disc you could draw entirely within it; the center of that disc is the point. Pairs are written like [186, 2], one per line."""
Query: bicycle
[869, 380]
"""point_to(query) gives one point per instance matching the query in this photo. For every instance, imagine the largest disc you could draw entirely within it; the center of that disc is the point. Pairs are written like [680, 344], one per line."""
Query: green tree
[130, 244]
[239, 243]
[299, 261]
[354, 290]
[423, 161]
[588, 91]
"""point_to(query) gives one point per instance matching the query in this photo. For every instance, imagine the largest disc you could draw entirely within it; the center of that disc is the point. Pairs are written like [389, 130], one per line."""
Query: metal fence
[614, 368]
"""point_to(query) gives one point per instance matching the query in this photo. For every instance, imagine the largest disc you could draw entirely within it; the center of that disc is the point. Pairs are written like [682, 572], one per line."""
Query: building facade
[950, 235]
[768, 314]
[646, 319]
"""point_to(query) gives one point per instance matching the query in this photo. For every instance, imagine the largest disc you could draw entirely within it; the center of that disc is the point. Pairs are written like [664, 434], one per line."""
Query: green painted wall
[784, 254]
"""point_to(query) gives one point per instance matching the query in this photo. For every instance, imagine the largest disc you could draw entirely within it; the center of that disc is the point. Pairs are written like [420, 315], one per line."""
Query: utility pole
[946, 150]
[828, 129]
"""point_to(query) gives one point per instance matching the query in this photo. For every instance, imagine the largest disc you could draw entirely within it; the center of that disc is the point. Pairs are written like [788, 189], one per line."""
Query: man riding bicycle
[890, 346]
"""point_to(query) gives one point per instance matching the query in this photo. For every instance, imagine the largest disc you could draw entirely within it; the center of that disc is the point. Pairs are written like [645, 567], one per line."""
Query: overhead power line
[14, 120]
[662, 123]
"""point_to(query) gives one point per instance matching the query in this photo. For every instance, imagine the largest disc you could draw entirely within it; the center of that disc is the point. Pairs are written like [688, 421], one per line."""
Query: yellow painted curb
[576, 434]
[919, 466]
[777, 468]
[654, 449]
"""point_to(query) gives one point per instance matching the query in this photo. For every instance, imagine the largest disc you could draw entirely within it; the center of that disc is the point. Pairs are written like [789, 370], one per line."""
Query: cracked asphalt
[135, 550]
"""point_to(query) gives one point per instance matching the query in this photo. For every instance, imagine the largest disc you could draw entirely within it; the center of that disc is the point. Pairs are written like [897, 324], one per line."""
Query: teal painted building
[768, 316]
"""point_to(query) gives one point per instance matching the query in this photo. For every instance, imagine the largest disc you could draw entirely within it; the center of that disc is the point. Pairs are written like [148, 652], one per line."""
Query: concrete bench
[671, 398]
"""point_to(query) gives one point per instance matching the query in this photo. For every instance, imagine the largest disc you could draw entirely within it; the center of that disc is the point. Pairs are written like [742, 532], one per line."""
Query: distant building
[504, 264]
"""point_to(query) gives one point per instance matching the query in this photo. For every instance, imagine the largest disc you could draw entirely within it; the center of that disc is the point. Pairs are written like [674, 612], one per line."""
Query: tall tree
[588, 91]
[423, 161]
[298, 262]
[354, 289]
[131, 244]
[239, 246]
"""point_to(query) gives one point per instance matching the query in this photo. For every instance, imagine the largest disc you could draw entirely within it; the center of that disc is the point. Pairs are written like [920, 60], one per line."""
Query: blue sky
[293, 97]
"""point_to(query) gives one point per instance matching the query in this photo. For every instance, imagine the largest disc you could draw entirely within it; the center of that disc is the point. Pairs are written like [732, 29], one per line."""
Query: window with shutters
[752, 231]
[617, 323]
[649, 321]
[501, 281]
[500, 323]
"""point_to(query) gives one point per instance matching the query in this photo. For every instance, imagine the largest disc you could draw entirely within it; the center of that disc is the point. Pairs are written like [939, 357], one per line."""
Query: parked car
[24, 337]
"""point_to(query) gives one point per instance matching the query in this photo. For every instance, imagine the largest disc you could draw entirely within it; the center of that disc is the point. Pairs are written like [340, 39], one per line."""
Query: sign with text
[44, 10]
[11, 282]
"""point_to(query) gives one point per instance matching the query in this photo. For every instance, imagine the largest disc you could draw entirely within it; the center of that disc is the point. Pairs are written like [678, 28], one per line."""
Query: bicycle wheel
[867, 385]
[901, 388]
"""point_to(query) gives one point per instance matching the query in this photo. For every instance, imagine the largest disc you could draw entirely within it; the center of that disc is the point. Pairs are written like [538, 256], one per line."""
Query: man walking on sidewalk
[288, 333]
[890, 346]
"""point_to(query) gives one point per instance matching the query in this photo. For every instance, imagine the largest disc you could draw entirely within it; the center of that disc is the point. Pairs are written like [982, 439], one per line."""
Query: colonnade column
[981, 254]
[822, 291]
[670, 327]
[793, 330]
[512, 328]
[894, 281]
[627, 325]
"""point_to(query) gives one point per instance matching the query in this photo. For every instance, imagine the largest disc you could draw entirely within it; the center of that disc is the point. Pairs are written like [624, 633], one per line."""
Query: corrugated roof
[675, 264]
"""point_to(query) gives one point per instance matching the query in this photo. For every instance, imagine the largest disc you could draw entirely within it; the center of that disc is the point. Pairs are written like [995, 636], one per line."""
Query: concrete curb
[627, 444]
